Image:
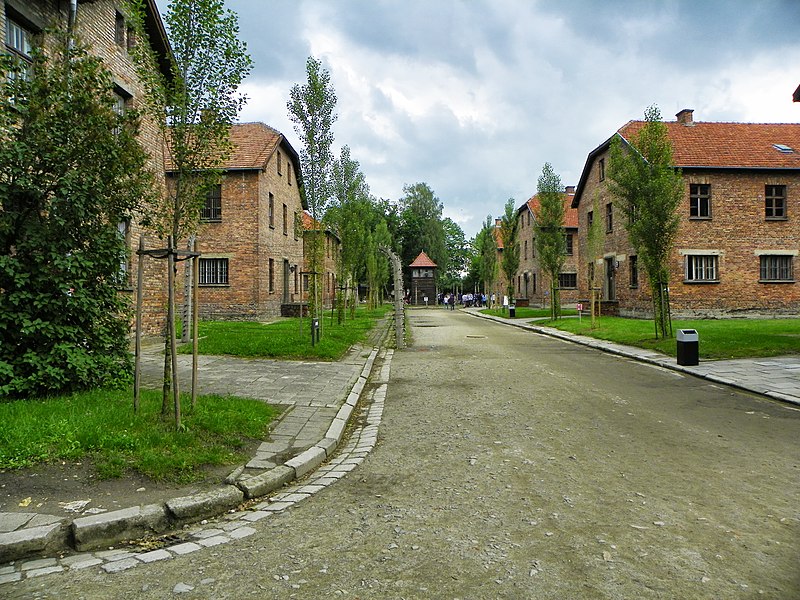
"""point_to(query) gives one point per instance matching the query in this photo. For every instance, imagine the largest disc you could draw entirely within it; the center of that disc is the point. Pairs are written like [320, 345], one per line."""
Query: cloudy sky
[474, 96]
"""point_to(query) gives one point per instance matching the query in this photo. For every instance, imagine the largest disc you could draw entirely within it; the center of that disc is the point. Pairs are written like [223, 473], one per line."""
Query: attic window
[783, 148]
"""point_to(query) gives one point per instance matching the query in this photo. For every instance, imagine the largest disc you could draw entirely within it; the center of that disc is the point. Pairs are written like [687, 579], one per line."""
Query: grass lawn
[100, 425]
[284, 339]
[719, 338]
[526, 312]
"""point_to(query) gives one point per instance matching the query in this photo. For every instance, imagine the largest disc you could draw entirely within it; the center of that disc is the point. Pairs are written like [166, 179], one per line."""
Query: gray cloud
[474, 96]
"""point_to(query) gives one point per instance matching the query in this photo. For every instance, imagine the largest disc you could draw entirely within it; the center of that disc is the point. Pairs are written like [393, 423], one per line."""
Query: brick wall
[95, 26]
[737, 233]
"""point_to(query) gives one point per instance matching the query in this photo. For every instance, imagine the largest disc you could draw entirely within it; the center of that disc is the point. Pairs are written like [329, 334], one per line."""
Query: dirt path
[514, 466]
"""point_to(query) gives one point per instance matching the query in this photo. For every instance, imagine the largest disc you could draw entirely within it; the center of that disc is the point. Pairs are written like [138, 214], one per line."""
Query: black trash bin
[512, 311]
[688, 347]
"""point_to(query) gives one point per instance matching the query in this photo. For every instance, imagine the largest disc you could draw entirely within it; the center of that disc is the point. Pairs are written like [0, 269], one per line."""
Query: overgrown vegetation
[99, 426]
[550, 246]
[719, 339]
[286, 338]
[72, 171]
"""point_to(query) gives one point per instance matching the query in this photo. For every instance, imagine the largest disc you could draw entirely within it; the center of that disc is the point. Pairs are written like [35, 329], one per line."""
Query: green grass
[100, 425]
[525, 312]
[719, 338]
[284, 339]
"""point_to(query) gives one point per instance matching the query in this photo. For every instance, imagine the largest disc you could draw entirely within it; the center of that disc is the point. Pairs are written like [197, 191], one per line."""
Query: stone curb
[621, 351]
[95, 531]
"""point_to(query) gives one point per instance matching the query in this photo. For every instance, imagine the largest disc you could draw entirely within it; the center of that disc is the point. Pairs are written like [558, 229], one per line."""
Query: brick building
[102, 25]
[251, 237]
[738, 241]
[532, 286]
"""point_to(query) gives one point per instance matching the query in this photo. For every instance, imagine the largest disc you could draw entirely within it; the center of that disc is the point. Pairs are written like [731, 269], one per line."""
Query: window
[776, 267]
[212, 209]
[285, 220]
[295, 226]
[775, 202]
[702, 267]
[18, 44]
[288, 173]
[279, 163]
[213, 271]
[568, 244]
[601, 169]
[305, 282]
[119, 30]
[271, 275]
[633, 271]
[130, 41]
[700, 200]
[526, 249]
[567, 280]
[271, 210]
[609, 217]
[590, 218]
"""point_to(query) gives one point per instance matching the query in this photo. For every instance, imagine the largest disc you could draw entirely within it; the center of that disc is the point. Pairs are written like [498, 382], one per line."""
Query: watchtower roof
[423, 260]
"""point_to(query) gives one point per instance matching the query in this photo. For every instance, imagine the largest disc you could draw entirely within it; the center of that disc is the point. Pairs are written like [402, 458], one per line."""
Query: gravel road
[510, 465]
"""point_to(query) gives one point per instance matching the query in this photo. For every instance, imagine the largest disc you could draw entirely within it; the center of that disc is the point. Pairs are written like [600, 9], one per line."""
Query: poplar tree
[550, 246]
[486, 246]
[311, 109]
[509, 234]
[193, 106]
[648, 189]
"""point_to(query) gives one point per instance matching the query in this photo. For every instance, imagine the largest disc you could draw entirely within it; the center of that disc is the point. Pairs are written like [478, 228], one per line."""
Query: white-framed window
[19, 43]
[776, 267]
[701, 268]
[213, 271]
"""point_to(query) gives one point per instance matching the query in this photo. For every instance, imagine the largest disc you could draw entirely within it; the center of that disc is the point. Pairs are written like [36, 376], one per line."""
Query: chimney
[570, 190]
[497, 222]
[685, 117]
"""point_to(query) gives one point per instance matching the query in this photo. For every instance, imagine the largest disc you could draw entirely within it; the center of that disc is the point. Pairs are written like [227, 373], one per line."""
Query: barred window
[213, 271]
[271, 274]
[567, 280]
[212, 209]
[775, 267]
[702, 267]
[568, 244]
[271, 209]
[775, 201]
[700, 200]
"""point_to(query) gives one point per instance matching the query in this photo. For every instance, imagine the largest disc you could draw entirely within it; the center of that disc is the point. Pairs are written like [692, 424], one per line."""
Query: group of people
[450, 299]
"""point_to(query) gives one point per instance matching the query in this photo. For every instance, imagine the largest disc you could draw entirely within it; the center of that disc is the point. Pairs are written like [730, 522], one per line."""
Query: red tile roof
[253, 145]
[731, 145]
[709, 145]
[570, 214]
[423, 260]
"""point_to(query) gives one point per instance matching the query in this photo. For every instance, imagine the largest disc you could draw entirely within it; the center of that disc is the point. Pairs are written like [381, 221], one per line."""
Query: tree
[550, 245]
[311, 109]
[648, 189]
[457, 253]
[486, 246]
[351, 215]
[194, 108]
[594, 247]
[509, 234]
[71, 172]
[422, 227]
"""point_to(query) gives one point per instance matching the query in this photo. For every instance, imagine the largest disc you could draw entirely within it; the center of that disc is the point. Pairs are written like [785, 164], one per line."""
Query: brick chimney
[570, 189]
[685, 117]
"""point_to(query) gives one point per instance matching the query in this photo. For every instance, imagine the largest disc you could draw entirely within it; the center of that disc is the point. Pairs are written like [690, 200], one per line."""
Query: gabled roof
[796, 95]
[424, 261]
[570, 214]
[311, 224]
[708, 145]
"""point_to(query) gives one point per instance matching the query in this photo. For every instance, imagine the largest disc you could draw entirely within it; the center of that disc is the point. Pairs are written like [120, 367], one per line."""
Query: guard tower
[423, 281]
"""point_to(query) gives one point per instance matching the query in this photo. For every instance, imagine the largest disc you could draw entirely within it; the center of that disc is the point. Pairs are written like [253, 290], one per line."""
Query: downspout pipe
[73, 13]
